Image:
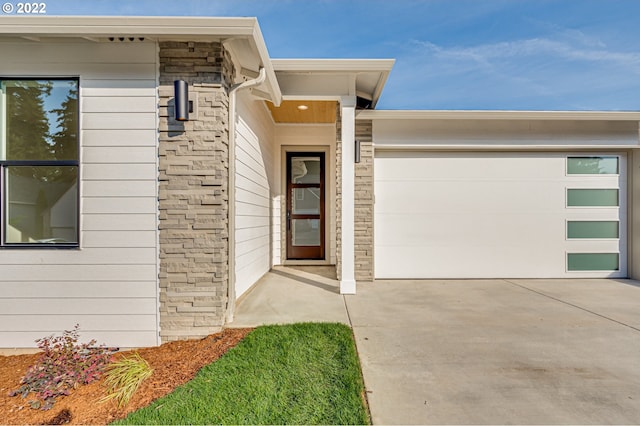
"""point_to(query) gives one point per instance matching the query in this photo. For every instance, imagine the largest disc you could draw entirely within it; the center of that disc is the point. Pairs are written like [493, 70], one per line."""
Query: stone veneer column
[193, 191]
[364, 199]
[364, 203]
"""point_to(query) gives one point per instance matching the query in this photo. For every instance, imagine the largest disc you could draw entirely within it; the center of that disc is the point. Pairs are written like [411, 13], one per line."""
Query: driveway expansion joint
[572, 305]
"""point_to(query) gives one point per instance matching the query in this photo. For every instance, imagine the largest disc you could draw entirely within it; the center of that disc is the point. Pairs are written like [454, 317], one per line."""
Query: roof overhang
[498, 115]
[503, 130]
[332, 78]
[242, 36]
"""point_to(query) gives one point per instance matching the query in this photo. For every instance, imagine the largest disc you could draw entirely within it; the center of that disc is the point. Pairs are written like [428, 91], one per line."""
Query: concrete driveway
[500, 351]
[476, 351]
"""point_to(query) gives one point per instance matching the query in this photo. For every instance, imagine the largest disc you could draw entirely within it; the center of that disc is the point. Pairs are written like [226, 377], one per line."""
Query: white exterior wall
[109, 286]
[255, 187]
[304, 137]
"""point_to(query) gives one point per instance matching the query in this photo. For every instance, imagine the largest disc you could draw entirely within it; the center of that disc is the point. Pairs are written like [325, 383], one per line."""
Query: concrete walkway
[292, 294]
[478, 351]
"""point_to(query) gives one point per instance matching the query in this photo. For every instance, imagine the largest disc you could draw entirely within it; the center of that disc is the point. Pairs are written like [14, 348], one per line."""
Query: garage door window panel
[593, 229]
[593, 261]
[600, 165]
[595, 197]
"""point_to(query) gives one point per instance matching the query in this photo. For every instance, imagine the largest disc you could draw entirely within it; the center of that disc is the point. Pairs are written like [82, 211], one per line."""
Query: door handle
[288, 220]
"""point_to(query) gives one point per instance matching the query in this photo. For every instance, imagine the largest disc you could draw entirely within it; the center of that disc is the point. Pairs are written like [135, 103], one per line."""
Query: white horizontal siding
[124, 155]
[118, 188]
[119, 171]
[109, 286]
[253, 170]
[131, 104]
[120, 222]
[118, 87]
[76, 289]
[118, 239]
[128, 339]
[119, 205]
[88, 306]
[86, 256]
[135, 322]
[139, 272]
[110, 120]
[119, 138]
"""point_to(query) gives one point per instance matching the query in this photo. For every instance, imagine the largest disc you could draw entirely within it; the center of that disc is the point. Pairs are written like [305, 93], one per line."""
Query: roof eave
[339, 66]
[159, 28]
[497, 115]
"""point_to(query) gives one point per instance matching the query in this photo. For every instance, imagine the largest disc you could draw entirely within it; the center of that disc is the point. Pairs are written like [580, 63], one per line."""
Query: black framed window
[39, 162]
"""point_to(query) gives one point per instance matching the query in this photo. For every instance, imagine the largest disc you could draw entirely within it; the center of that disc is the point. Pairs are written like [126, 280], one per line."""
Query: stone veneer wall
[364, 203]
[193, 191]
[363, 200]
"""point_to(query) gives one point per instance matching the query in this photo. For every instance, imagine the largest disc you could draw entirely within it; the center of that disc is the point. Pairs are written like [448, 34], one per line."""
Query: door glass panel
[593, 229]
[42, 205]
[305, 200]
[592, 165]
[592, 261]
[305, 170]
[306, 232]
[592, 197]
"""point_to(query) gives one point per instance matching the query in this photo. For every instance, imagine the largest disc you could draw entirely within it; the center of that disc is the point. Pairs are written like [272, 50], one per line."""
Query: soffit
[319, 112]
[332, 78]
[498, 115]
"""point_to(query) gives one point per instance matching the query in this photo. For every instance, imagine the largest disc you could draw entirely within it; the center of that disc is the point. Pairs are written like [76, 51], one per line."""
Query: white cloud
[539, 47]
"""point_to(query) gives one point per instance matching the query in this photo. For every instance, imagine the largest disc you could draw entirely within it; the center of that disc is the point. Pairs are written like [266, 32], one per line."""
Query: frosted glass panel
[593, 229]
[305, 170]
[305, 200]
[592, 197]
[306, 232]
[592, 165]
[593, 261]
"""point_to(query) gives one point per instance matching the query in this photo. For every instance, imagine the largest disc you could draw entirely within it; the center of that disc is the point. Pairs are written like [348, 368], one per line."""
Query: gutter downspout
[231, 292]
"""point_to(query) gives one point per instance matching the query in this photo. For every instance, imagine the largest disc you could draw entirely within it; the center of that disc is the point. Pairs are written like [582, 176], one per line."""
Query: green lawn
[292, 374]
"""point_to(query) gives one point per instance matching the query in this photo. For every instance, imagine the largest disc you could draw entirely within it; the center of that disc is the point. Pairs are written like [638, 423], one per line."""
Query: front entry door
[305, 205]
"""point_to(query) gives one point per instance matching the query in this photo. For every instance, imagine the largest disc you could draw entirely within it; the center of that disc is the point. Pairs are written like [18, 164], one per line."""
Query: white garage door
[499, 215]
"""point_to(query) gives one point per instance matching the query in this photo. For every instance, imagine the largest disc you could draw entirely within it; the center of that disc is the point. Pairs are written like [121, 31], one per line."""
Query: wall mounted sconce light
[183, 106]
[357, 151]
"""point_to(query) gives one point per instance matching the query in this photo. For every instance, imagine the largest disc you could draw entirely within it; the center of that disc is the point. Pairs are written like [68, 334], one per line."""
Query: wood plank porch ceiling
[317, 112]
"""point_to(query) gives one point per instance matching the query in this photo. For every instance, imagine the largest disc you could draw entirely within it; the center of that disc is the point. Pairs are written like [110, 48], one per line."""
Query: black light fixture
[357, 151]
[182, 105]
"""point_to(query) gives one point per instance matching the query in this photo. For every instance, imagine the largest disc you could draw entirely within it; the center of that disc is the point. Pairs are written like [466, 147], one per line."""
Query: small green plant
[63, 365]
[124, 376]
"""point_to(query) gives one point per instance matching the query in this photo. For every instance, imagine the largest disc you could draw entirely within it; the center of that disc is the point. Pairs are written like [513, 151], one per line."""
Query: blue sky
[450, 54]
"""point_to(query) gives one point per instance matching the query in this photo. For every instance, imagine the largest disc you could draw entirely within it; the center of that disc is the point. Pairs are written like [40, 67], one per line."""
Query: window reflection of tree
[31, 137]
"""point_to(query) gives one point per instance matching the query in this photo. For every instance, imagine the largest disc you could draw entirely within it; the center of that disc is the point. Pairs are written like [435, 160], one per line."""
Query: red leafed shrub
[63, 365]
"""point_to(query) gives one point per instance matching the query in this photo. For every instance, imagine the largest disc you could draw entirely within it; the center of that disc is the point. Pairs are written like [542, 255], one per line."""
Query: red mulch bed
[173, 364]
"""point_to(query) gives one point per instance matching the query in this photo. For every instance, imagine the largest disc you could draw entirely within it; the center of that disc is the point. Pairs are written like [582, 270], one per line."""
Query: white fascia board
[497, 115]
[498, 148]
[333, 65]
[95, 26]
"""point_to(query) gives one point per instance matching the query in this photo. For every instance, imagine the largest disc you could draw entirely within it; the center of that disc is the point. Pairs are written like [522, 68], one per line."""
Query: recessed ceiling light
[303, 107]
